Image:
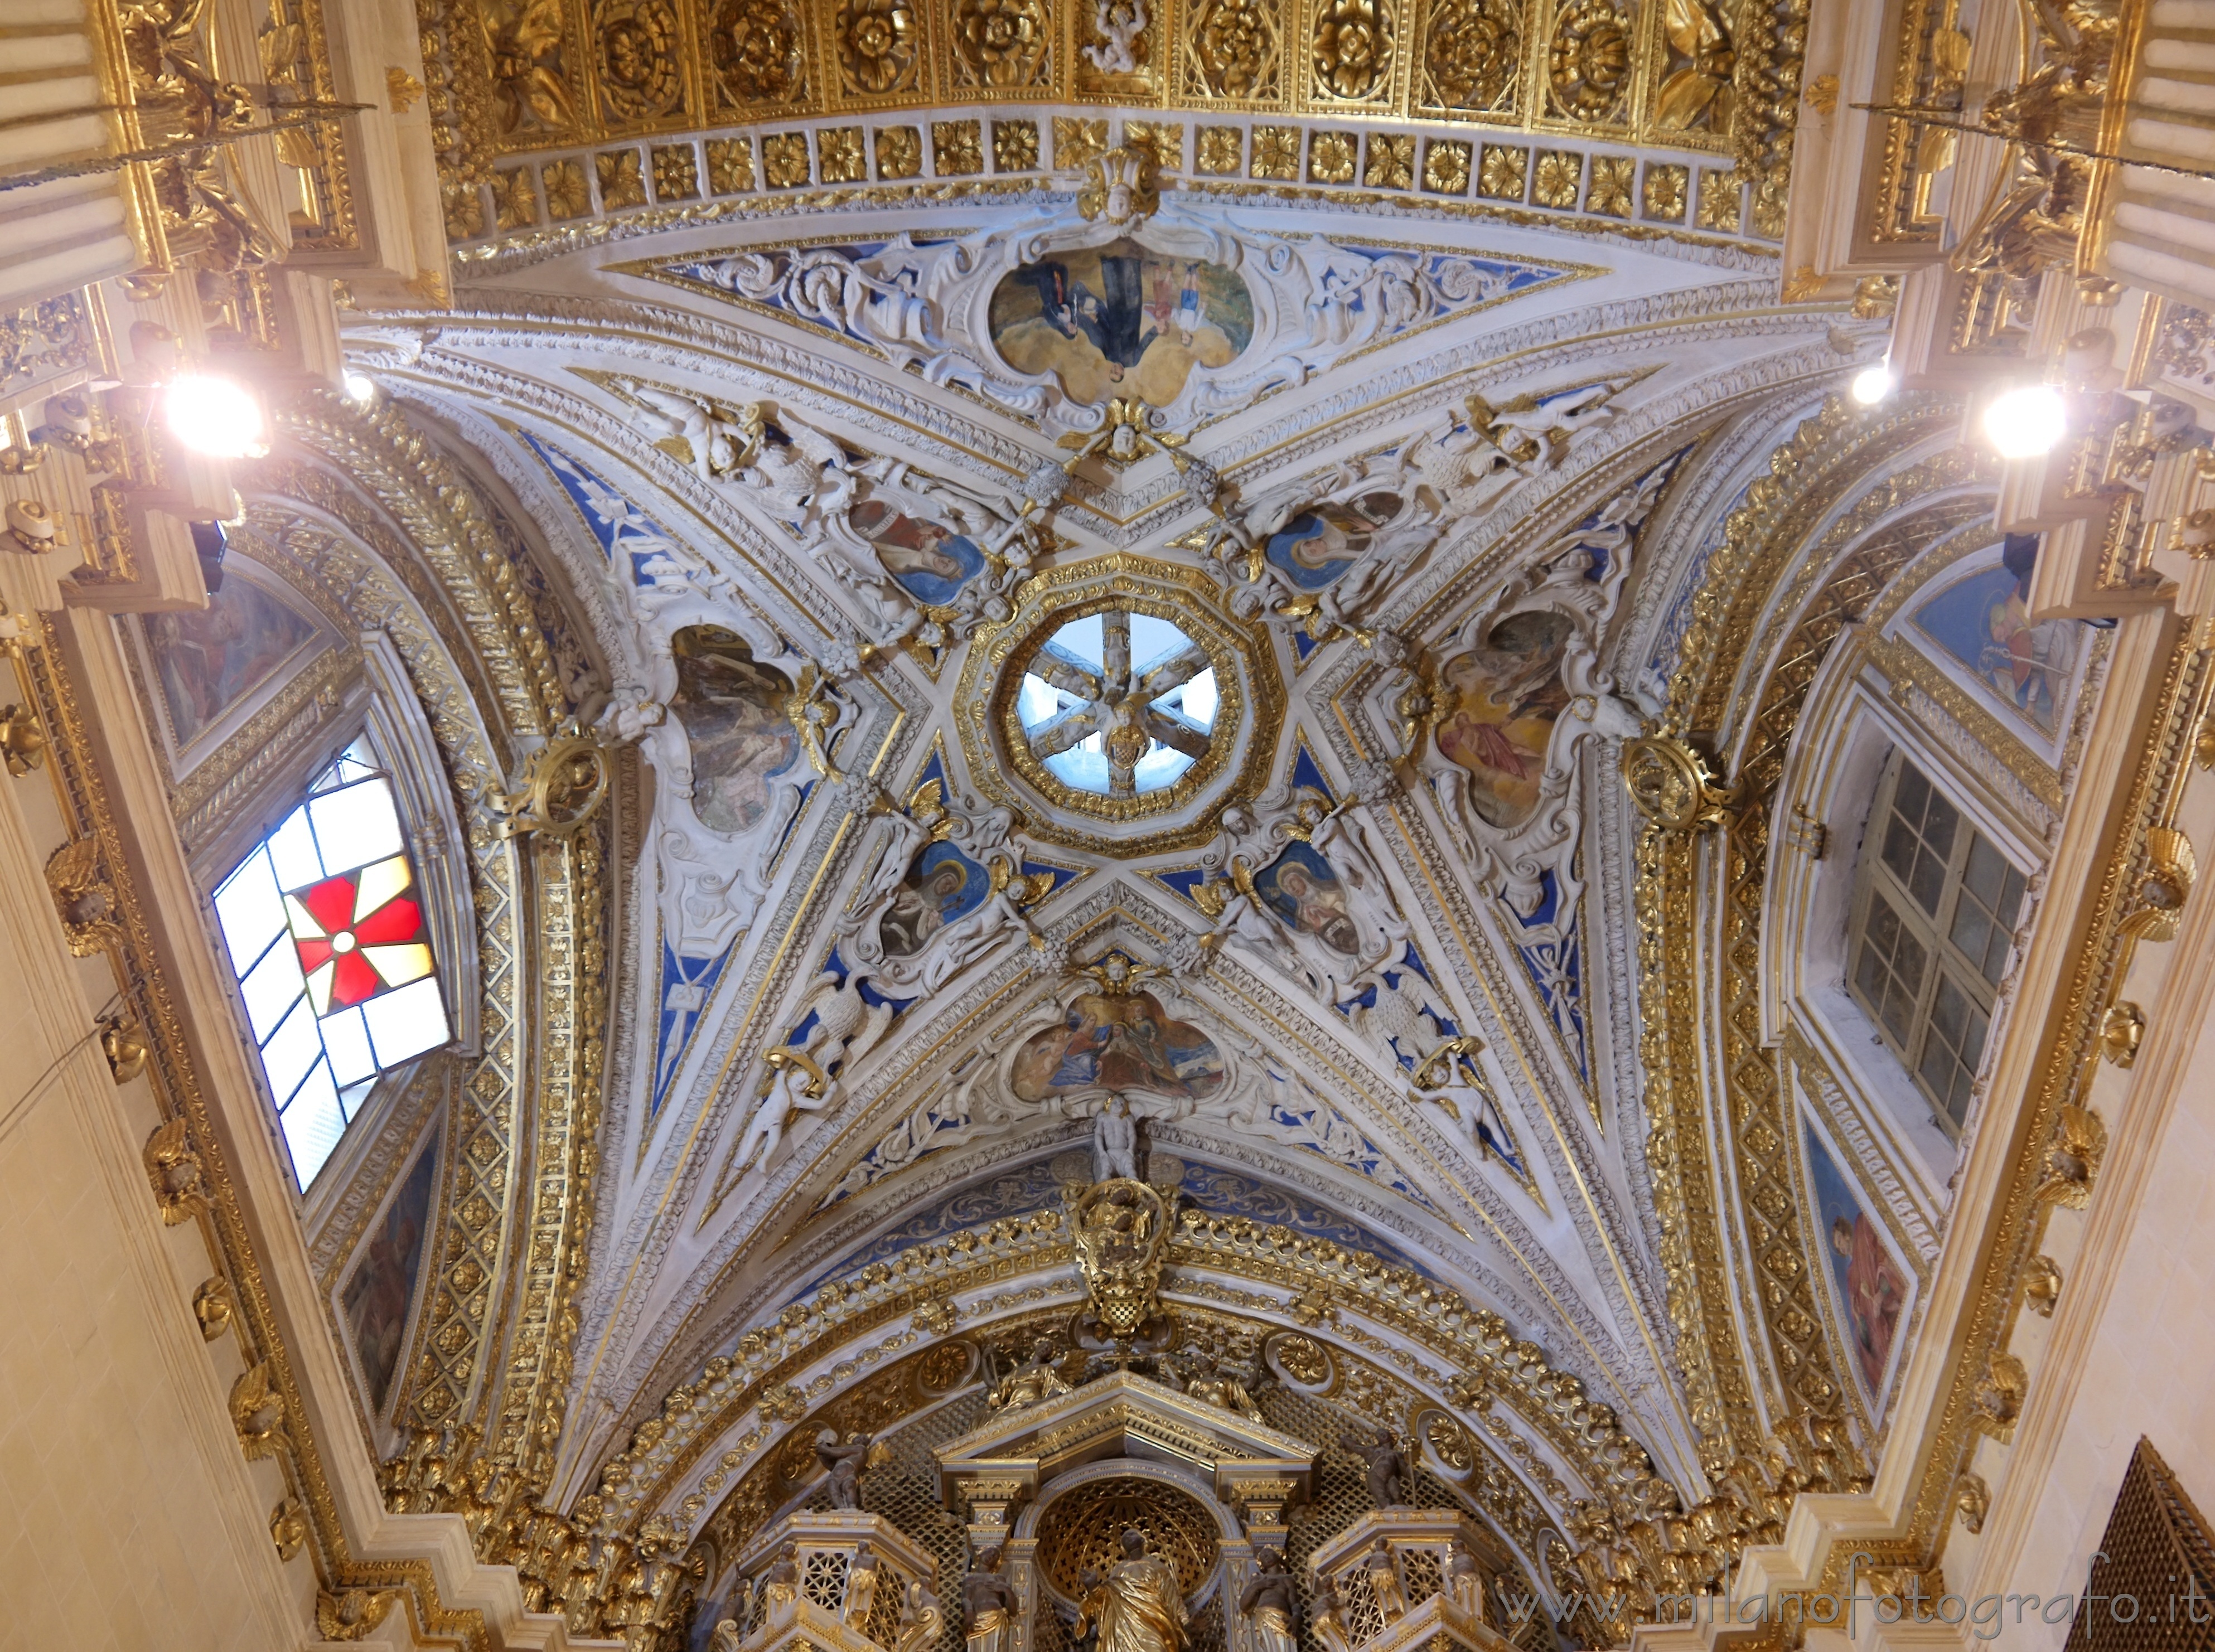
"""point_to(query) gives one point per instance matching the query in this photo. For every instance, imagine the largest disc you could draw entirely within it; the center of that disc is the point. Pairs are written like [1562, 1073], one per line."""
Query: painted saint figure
[1874, 1295]
[1503, 701]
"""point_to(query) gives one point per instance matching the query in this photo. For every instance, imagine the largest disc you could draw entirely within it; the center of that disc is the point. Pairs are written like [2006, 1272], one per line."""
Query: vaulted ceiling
[1145, 623]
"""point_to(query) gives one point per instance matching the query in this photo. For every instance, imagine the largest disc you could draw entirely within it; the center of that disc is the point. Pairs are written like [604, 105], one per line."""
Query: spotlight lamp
[2026, 421]
[1873, 384]
[215, 416]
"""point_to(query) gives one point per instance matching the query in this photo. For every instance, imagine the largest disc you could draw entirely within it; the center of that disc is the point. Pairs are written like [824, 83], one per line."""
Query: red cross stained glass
[359, 934]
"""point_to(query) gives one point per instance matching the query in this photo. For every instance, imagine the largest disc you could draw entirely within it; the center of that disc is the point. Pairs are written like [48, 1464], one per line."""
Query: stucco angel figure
[945, 887]
[1302, 884]
[797, 1077]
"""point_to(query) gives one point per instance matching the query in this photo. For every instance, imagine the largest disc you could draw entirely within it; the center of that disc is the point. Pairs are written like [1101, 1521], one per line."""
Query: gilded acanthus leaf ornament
[877, 41]
[1697, 91]
[1590, 62]
[756, 47]
[564, 782]
[1120, 187]
[257, 1411]
[1352, 50]
[523, 38]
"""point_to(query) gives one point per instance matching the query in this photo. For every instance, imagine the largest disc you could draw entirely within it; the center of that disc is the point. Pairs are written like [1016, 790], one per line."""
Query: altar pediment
[1124, 1415]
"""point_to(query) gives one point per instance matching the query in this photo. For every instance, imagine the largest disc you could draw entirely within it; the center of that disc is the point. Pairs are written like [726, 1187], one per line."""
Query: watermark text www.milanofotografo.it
[2179, 1601]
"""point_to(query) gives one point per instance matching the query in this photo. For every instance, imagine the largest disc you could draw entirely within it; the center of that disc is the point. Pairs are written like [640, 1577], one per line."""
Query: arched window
[327, 936]
[1933, 924]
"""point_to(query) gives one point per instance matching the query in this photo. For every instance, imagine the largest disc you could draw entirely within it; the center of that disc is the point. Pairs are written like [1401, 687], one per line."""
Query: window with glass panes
[1936, 917]
[328, 937]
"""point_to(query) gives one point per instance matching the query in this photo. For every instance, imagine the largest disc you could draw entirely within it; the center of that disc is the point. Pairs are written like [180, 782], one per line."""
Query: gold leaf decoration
[1501, 171]
[1589, 65]
[1234, 48]
[1330, 157]
[1470, 51]
[676, 172]
[1277, 153]
[785, 160]
[622, 183]
[1445, 167]
[1353, 50]
[899, 152]
[1609, 194]
[1719, 200]
[1561, 173]
[957, 148]
[1665, 192]
[839, 157]
[639, 76]
[1075, 141]
[730, 165]
[1220, 151]
[1390, 162]
[1015, 146]
[755, 46]
[530, 87]
[1000, 44]
[1697, 91]
[877, 47]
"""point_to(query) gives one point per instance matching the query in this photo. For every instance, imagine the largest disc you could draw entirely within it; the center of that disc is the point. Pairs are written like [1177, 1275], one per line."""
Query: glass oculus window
[1933, 925]
[1119, 703]
[327, 935]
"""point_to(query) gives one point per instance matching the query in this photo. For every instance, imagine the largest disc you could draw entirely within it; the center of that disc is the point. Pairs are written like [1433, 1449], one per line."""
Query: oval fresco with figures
[1117, 1041]
[1120, 320]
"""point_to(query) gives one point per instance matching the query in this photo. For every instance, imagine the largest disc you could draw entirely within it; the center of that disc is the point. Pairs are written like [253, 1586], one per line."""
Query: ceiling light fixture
[218, 417]
[2026, 422]
[360, 388]
[1873, 384]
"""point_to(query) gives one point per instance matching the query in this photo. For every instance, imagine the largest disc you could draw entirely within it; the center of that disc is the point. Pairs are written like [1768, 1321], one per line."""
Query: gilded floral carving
[1000, 43]
[1445, 167]
[1234, 46]
[730, 166]
[755, 46]
[640, 77]
[1501, 171]
[1391, 163]
[1330, 157]
[1589, 65]
[1470, 54]
[877, 42]
[1353, 50]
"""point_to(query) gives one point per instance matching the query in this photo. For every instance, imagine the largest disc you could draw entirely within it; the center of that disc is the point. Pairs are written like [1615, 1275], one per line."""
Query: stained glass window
[326, 932]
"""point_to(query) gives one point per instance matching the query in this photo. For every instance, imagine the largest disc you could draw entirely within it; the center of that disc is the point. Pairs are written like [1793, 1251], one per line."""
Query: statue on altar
[1464, 1580]
[1034, 1380]
[1387, 1465]
[845, 1462]
[1329, 1620]
[1270, 1603]
[1115, 1143]
[1141, 1605]
[861, 1578]
[1212, 1383]
[1384, 1583]
[988, 1605]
